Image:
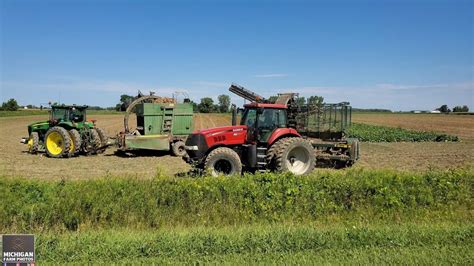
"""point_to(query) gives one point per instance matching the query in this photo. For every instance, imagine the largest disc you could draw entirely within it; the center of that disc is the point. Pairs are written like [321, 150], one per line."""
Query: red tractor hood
[228, 135]
[218, 130]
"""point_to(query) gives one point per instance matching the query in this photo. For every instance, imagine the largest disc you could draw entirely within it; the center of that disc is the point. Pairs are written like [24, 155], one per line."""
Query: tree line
[207, 105]
[457, 109]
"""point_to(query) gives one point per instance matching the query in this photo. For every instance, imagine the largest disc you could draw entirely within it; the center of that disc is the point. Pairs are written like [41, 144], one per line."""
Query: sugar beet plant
[371, 133]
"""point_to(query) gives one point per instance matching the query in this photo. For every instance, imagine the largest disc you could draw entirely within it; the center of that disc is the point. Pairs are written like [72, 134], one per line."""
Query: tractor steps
[262, 159]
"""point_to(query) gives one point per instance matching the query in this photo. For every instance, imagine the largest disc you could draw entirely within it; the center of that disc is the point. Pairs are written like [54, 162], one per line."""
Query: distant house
[436, 112]
[420, 111]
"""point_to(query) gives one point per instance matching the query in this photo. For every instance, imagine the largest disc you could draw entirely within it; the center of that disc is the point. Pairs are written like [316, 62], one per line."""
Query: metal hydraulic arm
[246, 94]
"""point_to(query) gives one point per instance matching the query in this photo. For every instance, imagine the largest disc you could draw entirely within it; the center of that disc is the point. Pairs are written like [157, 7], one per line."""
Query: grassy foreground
[132, 202]
[351, 216]
[249, 244]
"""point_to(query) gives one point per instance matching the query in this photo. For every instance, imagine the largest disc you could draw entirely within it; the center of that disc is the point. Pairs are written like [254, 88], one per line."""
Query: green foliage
[23, 113]
[272, 99]
[315, 100]
[125, 101]
[372, 133]
[276, 241]
[444, 109]
[207, 105]
[131, 202]
[459, 109]
[10, 105]
[301, 100]
[224, 103]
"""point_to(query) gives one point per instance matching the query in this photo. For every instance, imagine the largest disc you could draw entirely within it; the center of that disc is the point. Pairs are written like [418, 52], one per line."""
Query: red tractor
[278, 136]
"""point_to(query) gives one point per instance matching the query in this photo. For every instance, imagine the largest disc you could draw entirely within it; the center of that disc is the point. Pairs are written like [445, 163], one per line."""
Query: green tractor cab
[67, 133]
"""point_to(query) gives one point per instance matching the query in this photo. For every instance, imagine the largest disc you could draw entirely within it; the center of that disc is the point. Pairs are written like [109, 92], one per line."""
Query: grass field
[398, 205]
[355, 216]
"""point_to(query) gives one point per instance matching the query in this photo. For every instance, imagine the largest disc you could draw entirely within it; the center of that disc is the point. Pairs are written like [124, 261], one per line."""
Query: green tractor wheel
[76, 142]
[57, 142]
[92, 142]
[103, 139]
[33, 143]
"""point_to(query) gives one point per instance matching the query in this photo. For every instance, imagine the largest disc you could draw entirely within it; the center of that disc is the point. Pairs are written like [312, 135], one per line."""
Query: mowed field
[14, 161]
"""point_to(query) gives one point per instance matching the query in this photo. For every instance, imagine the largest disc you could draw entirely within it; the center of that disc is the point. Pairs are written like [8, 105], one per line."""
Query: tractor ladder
[168, 114]
[262, 159]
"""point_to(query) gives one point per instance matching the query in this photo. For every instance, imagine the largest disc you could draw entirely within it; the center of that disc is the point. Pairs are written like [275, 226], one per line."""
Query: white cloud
[276, 75]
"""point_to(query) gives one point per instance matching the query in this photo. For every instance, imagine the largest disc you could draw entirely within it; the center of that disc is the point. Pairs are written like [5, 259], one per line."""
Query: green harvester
[163, 124]
[67, 133]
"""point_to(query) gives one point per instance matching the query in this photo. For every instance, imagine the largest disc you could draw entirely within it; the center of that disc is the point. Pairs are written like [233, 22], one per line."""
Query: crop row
[372, 133]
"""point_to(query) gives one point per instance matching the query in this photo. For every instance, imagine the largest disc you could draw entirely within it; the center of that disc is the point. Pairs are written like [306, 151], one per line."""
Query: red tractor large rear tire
[223, 161]
[295, 155]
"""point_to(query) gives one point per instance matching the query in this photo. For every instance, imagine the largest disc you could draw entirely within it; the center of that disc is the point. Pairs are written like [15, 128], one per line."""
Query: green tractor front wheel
[57, 142]
[33, 143]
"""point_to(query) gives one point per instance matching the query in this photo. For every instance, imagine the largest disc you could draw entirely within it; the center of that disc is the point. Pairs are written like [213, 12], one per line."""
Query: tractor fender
[282, 132]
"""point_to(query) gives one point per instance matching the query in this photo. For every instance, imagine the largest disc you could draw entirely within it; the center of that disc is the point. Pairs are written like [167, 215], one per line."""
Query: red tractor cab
[272, 136]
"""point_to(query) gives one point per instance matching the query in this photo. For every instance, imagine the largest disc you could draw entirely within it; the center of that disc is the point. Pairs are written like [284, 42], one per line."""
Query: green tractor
[67, 133]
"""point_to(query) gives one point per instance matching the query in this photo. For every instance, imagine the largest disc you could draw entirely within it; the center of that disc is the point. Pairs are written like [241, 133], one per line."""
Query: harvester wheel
[178, 149]
[33, 143]
[57, 142]
[295, 155]
[223, 161]
[76, 142]
[103, 139]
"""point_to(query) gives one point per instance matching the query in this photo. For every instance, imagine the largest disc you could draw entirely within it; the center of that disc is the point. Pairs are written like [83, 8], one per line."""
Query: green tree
[459, 109]
[301, 100]
[10, 105]
[206, 105]
[272, 99]
[444, 109]
[315, 100]
[125, 101]
[224, 103]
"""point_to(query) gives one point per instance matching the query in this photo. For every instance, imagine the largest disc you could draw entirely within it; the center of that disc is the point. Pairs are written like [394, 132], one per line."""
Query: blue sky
[400, 55]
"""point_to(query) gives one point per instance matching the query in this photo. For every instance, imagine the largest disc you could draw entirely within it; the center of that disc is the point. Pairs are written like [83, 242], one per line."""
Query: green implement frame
[160, 126]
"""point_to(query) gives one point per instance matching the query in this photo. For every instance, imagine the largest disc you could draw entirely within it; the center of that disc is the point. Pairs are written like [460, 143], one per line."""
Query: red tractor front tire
[223, 161]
